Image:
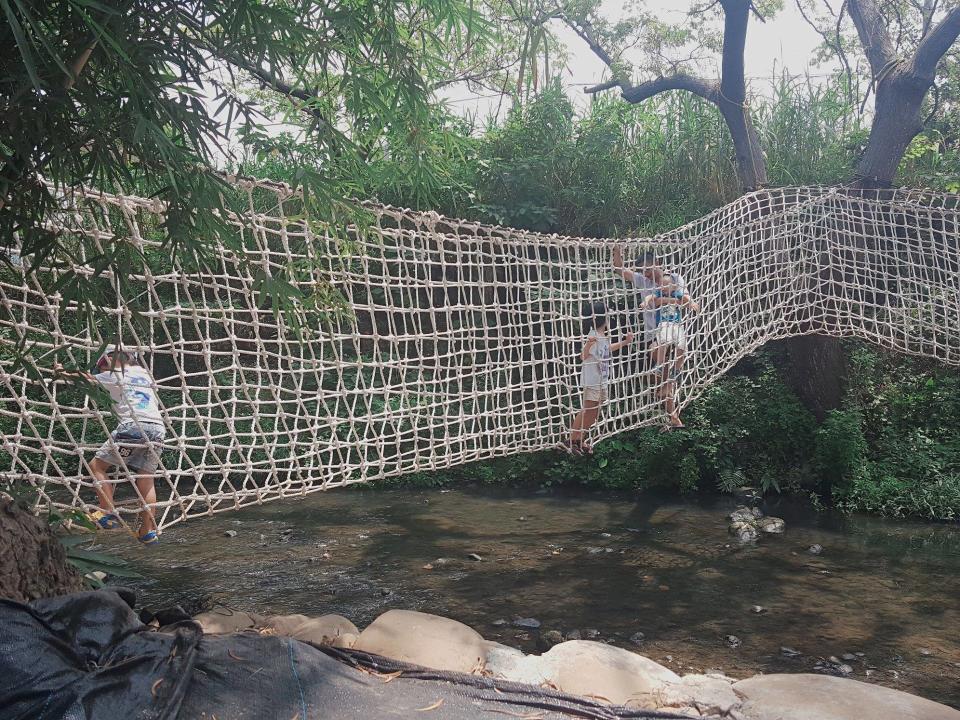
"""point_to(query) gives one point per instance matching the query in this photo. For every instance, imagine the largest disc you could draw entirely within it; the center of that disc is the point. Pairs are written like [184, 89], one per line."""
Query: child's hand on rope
[628, 338]
[648, 302]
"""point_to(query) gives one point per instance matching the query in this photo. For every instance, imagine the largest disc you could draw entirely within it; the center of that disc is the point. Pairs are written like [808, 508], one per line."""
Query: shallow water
[614, 563]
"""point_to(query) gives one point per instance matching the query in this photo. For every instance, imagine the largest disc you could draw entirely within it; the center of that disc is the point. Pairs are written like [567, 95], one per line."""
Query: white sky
[783, 41]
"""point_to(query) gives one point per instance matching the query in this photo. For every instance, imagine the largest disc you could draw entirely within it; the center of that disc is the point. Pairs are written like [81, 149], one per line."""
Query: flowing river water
[885, 594]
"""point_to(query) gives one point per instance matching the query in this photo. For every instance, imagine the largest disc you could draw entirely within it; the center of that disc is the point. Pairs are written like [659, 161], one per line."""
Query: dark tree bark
[901, 86]
[729, 94]
[33, 563]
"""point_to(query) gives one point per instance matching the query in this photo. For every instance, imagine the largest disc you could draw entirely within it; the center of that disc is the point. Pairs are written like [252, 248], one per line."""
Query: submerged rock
[772, 525]
[745, 531]
[815, 549]
[530, 623]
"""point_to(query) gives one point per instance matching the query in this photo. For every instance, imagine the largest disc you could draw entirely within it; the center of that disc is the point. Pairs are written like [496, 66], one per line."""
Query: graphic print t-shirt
[131, 390]
[648, 287]
[669, 313]
[596, 368]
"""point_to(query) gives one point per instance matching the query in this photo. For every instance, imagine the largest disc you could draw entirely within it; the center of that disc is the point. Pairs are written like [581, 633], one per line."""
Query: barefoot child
[137, 441]
[594, 377]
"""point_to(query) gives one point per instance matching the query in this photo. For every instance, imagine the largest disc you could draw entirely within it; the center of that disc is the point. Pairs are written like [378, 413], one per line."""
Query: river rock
[222, 621]
[428, 640]
[230, 533]
[529, 623]
[745, 531]
[772, 525]
[551, 638]
[638, 638]
[815, 549]
[742, 514]
[819, 697]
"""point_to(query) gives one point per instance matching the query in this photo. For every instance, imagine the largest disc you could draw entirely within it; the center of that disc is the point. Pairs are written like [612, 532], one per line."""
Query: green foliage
[894, 449]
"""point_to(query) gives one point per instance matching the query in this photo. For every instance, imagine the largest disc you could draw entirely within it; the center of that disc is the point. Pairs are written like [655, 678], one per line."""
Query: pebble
[230, 533]
[574, 635]
[758, 609]
[637, 638]
[849, 657]
[428, 566]
[606, 535]
[440, 562]
[594, 550]
[500, 622]
[926, 652]
[552, 637]
[526, 623]
[815, 549]
[733, 641]
[474, 557]
[789, 652]
[591, 633]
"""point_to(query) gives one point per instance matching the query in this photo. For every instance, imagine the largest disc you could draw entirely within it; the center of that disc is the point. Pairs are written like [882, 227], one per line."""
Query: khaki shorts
[595, 394]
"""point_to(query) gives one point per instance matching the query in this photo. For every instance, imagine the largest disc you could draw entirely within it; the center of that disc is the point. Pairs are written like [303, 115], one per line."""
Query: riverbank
[610, 567]
[589, 669]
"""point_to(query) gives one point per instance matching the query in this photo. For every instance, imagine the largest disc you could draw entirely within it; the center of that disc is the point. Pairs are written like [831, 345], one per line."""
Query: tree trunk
[33, 563]
[751, 165]
[896, 121]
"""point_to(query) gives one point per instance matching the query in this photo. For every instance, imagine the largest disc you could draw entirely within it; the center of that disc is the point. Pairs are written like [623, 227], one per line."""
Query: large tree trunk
[751, 165]
[896, 121]
[33, 563]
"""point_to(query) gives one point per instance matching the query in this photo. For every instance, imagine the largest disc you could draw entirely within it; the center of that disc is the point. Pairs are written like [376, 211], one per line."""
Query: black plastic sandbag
[88, 657]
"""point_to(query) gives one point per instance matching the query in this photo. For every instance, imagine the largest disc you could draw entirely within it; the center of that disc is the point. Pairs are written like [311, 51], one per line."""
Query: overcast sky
[784, 41]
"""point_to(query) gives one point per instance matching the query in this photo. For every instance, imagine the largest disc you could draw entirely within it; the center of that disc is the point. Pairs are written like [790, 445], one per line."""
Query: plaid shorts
[139, 448]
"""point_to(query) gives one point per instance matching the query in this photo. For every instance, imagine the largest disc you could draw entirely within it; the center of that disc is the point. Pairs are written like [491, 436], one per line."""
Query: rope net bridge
[425, 342]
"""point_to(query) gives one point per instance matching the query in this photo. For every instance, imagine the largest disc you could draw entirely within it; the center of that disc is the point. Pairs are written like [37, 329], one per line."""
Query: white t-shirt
[596, 368]
[647, 287]
[131, 390]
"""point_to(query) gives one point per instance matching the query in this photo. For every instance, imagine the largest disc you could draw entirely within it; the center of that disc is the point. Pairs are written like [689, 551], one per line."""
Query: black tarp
[87, 656]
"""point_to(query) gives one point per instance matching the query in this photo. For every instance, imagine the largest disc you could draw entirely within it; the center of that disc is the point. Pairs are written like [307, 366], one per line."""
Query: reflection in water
[615, 563]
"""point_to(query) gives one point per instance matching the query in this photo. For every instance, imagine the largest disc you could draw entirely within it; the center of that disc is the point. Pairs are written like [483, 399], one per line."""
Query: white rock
[428, 640]
[822, 697]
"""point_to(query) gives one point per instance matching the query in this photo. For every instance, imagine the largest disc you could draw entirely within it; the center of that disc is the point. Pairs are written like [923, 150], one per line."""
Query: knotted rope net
[423, 342]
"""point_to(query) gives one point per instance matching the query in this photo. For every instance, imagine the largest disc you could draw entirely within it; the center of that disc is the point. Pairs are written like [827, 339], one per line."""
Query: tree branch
[873, 34]
[698, 86]
[584, 29]
[935, 45]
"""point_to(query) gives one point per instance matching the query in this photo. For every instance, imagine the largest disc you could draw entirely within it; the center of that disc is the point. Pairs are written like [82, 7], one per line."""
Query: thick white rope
[432, 341]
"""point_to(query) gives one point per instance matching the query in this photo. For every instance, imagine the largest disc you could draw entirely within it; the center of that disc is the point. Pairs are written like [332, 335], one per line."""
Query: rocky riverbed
[861, 598]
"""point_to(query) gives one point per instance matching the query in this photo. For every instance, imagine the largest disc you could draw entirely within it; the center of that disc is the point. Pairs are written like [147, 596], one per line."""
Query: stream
[660, 576]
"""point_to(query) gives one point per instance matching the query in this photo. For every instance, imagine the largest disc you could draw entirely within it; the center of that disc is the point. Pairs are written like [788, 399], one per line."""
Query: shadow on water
[613, 564]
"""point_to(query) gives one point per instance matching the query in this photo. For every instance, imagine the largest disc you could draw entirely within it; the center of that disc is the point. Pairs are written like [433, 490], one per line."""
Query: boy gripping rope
[136, 443]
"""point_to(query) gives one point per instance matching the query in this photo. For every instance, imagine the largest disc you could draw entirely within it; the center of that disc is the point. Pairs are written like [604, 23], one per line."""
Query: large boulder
[822, 697]
[428, 640]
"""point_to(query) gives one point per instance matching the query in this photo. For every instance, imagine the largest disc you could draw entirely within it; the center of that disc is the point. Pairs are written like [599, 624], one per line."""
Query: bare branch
[601, 87]
[698, 86]
[832, 41]
[936, 44]
[585, 30]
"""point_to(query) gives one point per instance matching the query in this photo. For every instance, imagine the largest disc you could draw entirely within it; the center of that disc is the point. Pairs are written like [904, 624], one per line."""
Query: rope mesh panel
[427, 342]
